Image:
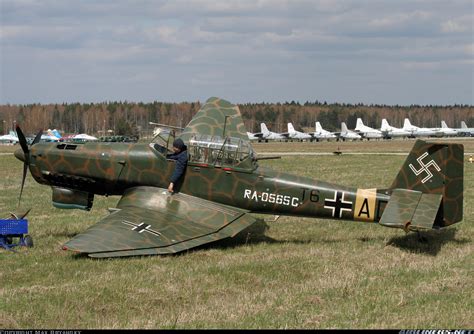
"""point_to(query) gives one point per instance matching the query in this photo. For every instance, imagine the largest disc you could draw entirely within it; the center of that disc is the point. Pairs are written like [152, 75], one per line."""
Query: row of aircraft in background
[49, 136]
[360, 132]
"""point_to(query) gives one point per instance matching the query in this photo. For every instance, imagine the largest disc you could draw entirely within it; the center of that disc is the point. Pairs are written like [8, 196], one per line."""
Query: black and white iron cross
[142, 227]
[338, 204]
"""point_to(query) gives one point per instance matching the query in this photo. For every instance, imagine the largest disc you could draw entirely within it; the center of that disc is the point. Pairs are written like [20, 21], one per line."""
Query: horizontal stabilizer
[411, 210]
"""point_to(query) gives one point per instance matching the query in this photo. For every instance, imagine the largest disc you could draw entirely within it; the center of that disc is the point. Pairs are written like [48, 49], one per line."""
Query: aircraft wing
[215, 116]
[150, 221]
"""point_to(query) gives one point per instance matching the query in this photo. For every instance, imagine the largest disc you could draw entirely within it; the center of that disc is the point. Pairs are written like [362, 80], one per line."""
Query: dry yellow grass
[292, 273]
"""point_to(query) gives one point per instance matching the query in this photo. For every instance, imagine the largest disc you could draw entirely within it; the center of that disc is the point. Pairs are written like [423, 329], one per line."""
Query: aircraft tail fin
[432, 173]
[385, 126]
[217, 117]
[319, 128]
[444, 125]
[406, 124]
[359, 124]
[343, 127]
[291, 129]
[463, 125]
[263, 128]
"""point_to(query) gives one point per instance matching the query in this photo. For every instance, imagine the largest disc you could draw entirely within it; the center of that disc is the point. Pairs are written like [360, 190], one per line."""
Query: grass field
[373, 146]
[292, 273]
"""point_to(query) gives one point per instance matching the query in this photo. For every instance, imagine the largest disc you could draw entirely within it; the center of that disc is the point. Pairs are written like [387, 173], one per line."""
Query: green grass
[292, 273]
[379, 146]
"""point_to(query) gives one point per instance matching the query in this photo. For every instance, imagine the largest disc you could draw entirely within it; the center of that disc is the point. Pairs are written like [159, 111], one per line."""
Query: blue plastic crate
[13, 226]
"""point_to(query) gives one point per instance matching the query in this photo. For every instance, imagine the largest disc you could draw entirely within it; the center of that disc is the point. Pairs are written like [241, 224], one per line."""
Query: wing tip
[65, 247]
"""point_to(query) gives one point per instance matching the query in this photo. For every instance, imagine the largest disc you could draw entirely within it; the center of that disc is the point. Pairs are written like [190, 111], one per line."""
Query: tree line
[130, 118]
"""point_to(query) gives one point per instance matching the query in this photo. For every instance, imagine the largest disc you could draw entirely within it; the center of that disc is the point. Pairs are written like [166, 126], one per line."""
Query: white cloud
[11, 32]
[163, 34]
[400, 19]
[232, 42]
[459, 24]
[184, 59]
[421, 65]
[469, 48]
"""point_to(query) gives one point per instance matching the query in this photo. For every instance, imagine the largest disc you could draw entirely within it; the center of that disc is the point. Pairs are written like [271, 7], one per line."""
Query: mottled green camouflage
[216, 196]
[174, 223]
[424, 159]
[217, 117]
[411, 210]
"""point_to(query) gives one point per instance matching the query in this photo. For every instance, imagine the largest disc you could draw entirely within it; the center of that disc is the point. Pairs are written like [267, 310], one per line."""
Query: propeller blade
[37, 138]
[26, 151]
[22, 140]
[25, 169]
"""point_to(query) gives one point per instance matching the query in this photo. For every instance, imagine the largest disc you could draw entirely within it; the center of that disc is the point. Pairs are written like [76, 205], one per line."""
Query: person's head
[178, 145]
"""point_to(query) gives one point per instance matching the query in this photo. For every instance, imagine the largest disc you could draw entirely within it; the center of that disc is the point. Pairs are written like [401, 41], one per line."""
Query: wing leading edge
[149, 221]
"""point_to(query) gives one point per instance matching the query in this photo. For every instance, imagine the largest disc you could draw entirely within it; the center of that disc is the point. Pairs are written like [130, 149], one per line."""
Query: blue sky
[380, 51]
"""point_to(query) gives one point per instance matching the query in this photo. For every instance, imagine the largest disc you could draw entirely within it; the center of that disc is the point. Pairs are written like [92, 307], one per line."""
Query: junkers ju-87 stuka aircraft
[223, 185]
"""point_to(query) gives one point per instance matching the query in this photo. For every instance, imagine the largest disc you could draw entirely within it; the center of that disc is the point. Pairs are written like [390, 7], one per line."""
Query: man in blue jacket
[181, 156]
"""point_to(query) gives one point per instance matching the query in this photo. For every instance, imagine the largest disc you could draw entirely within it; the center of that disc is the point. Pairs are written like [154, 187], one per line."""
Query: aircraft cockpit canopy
[163, 140]
[218, 151]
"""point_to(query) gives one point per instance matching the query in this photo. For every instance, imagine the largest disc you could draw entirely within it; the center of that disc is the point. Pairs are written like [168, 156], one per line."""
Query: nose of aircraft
[20, 155]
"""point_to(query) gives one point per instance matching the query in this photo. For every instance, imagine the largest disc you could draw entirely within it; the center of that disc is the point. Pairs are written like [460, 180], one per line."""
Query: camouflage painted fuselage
[223, 184]
[112, 168]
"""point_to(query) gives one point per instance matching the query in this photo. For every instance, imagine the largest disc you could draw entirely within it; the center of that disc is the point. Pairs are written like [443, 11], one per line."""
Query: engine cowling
[64, 198]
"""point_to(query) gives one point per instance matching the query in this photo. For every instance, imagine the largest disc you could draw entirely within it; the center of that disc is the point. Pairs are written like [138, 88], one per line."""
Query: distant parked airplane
[51, 136]
[320, 133]
[254, 136]
[366, 131]
[9, 138]
[293, 134]
[389, 131]
[269, 135]
[420, 132]
[447, 131]
[348, 134]
[464, 130]
[84, 137]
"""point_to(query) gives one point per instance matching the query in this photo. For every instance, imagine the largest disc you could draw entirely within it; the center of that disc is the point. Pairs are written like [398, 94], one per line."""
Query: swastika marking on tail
[424, 167]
